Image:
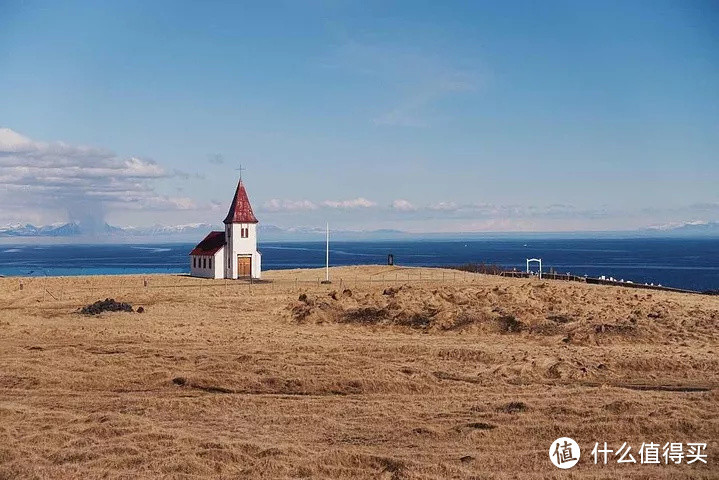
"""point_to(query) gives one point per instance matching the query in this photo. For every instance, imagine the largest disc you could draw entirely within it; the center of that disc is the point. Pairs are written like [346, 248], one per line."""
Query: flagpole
[327, 255]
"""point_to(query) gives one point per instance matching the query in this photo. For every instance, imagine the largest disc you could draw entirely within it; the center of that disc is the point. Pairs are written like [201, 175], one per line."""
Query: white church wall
[256, 265]
[239, 246]
[218, 264]
[244, 245]
[196, 266]
[208, 266]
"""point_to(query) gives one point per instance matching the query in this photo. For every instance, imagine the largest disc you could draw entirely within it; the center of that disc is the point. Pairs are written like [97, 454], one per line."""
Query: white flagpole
[327, 255]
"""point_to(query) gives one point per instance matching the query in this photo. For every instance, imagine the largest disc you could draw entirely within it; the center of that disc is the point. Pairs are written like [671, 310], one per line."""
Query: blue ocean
[682, 263]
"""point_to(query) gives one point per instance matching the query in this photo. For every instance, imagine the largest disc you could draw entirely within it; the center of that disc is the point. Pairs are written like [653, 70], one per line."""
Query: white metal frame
[539, 260]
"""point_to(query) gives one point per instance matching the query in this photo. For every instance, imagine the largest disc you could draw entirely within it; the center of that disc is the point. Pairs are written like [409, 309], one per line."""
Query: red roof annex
[240, 209]
[210, 244]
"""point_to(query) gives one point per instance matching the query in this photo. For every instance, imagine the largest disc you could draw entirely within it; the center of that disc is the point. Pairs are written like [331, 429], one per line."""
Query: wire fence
[65, 288]
[75, 288]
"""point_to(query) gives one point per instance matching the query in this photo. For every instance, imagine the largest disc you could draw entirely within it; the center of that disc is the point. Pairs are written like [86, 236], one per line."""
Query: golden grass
[426, 381]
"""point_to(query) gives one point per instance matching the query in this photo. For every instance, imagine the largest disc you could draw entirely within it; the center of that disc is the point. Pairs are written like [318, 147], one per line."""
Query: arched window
[204, 262]
[194, 261]
[210, 262]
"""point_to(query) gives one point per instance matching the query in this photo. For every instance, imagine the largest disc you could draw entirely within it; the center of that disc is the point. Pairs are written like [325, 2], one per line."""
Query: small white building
[232, 253]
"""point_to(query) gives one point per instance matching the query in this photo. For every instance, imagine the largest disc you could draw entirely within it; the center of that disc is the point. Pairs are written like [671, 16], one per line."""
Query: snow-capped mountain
[73, 229]
[28, 230]
[185, 232]
[694, 227]
[158, 230]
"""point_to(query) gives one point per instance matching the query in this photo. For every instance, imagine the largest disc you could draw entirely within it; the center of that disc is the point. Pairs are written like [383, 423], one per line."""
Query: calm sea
[682, 263]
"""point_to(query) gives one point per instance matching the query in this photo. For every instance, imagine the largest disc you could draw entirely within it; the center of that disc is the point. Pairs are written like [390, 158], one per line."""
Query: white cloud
[359, 202]
[277, 205]
[281, 205]
[36, 176]
[443, 206]
[403, 206]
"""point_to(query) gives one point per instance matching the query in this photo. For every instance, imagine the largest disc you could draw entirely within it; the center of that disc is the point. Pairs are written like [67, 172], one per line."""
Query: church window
[204, 262]
[194, 262]
[210, 262]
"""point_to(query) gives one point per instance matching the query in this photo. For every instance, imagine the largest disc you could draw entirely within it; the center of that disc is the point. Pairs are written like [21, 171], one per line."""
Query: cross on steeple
[240, 170]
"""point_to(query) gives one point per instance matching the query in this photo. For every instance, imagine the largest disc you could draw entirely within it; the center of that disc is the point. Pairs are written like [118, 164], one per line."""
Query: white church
[232, 253]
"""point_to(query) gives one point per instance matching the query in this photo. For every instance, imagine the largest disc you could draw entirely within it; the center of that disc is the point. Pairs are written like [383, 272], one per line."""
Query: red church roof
[210, 244]
[240, 210]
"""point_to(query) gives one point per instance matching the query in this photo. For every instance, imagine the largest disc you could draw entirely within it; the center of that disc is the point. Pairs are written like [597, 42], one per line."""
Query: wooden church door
[244, 266]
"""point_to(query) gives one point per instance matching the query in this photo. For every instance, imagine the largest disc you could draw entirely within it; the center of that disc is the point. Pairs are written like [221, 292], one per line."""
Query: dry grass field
[386, 373]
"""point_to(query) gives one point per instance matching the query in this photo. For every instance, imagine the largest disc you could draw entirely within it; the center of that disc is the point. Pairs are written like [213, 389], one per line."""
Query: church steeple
[240, 209]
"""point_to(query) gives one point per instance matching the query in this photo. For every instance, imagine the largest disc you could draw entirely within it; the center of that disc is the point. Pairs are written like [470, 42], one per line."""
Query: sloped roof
[240, 209]
[210, 244]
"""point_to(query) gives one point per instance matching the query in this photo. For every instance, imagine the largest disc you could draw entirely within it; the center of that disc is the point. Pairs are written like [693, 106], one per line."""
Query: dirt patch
[510, 324]
[513, 407]
[403, 306]
[560, 318]
[364, 315]
[107, 305]
[521, 309]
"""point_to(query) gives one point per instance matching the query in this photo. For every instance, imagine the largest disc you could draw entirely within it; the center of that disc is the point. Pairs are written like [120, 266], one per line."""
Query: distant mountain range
[189, 231]
[699, 227]
[196, 231]
[75, 230]
[54, 230]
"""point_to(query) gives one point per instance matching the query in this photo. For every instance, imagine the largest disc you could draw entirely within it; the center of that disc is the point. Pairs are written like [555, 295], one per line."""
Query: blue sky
[420, 116]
